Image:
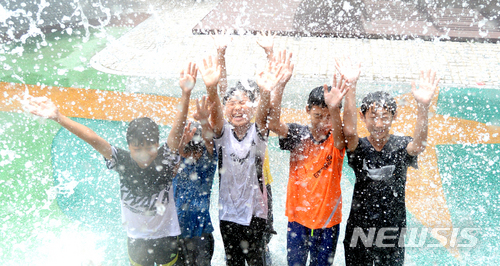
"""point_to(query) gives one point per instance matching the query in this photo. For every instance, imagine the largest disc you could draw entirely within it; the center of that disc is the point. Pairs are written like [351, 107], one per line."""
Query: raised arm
[45, 108]
[351, 72]
[221, 42]
[267, 80]
[284, 60]
[202, 115]
[187, 136]
[333, 99]
[423, 95]
[266, 41]
[211, 75]
[187, 81]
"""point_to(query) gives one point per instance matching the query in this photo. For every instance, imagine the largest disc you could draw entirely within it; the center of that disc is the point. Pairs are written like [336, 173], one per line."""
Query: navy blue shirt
[192, 189]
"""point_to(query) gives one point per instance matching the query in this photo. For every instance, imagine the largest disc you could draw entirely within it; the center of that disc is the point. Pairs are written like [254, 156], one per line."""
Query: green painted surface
[470, 182]
[26, 210]
[481, 105]
[60, 59]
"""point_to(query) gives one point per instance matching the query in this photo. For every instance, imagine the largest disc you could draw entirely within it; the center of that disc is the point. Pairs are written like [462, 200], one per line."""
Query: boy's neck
[318, 135]
[378, 144]
[241, 131]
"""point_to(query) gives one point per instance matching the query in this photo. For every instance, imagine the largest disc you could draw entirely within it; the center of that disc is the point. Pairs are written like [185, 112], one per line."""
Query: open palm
[187, 78]
[266, 40]
[338, 91]
[427, 86]
[349, 69]
[43, 107]
[210, 72]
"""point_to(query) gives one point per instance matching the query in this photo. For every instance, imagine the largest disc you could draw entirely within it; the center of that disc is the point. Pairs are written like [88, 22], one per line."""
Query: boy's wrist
[186, 92]
[212, 89]
[422, 107]
[335, 107]
[221, 51]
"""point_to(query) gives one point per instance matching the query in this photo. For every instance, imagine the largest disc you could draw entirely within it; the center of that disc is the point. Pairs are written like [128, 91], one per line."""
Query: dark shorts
[320, 243]
[147, 252]
[367, 251]
[244, 243]
[196, 250]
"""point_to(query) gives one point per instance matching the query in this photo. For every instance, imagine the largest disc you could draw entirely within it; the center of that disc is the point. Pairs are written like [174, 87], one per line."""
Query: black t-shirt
[379, 193]
[140, 188]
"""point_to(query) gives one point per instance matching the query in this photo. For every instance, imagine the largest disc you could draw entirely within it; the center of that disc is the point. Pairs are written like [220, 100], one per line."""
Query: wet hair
[248, 90]
[317, 98]
[379, 98]
[143, 131]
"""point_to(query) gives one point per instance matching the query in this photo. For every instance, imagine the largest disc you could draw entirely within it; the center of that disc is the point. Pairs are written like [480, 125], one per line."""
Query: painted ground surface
[60, 206]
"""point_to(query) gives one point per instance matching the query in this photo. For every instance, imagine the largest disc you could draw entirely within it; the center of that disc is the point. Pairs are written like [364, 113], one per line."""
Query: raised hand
[187, 136]
[210, 72]
[270, 77]
[43, 107]
[187, 78]
[349, 69]
[283, 59]
[221, 40]
[427, 86]
[202, 111]
[338, 91]
[266, 41]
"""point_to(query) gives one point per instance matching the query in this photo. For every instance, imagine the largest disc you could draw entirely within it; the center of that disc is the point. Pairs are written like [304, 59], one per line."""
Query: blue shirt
[192, 189]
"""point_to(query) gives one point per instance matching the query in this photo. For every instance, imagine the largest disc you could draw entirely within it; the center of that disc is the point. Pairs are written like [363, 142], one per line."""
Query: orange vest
[314, 197]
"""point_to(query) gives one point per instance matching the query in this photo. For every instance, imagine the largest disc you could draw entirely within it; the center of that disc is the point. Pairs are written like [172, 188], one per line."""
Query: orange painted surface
[425, 197]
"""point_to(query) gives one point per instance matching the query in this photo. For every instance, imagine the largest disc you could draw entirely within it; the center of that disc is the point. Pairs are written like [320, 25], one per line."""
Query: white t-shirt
[241, 180]
[147, 196]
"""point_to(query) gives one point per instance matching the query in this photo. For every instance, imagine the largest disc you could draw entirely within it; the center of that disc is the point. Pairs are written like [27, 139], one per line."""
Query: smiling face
[378, 122]
[143, 154]
[239, 109]
[320, 118]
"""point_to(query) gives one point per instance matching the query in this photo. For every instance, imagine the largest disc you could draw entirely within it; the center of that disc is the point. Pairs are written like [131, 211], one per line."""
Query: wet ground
[60, 206]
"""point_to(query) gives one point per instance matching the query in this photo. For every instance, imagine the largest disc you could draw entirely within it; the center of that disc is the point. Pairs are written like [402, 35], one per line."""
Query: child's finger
[433, 76]
[342, 82]
[197, 106]
[289, 58]
[325, 89]
[205, 65]
[413, 86]
[436, 83]
[203, 102]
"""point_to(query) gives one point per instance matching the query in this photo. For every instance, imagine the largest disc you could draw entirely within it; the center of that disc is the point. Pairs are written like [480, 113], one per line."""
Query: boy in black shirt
[376, 224]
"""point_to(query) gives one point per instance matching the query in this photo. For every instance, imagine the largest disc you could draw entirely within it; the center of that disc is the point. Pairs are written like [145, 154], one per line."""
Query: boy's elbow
[350, 134]
[416, 149]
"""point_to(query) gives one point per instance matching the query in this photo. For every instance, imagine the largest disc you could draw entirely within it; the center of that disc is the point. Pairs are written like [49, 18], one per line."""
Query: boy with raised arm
[266, 41]
[193, 187]
[380, 162]
[240, 146]
[146, 172]
[314, 198]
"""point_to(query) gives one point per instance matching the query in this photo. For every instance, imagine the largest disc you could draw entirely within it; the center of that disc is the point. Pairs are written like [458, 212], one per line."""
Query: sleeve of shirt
[293, 138]
[172, 157]
[354, 157]
[111, 163]
[410, 160]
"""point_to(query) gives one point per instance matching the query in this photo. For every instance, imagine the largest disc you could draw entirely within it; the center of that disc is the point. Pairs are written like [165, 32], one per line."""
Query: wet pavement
[163, 43]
